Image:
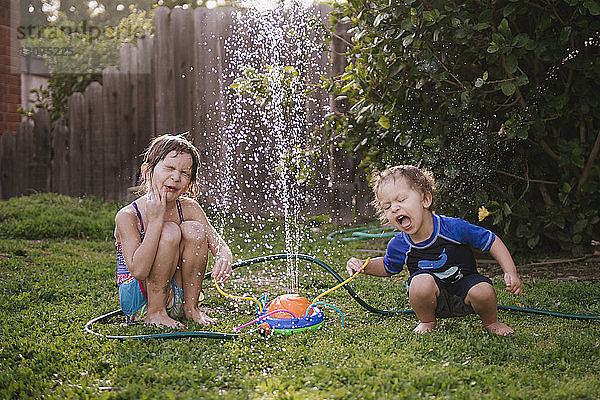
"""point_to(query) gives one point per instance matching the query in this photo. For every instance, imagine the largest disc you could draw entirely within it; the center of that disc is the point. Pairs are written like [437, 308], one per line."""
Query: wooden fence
[173, 82]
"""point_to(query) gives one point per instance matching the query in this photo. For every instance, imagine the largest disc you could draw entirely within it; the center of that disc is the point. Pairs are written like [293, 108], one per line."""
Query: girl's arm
[220, 250]
[374, 267]
[139, 255]
[511, 277]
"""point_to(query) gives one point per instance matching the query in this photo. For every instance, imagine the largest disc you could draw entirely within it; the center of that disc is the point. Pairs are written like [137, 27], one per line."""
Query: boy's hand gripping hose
[365, 305]
[341, 284]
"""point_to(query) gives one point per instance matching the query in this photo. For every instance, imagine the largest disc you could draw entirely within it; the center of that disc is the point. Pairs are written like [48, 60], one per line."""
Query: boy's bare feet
[162, 320]
[424, 327]
[200, 317]
[498, 328]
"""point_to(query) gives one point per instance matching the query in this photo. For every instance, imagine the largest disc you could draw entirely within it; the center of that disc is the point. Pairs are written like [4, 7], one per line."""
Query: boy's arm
[511, 277]
[375, 266]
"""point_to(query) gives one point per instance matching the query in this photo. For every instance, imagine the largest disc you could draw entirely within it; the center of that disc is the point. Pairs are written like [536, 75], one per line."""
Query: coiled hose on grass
[273, 257]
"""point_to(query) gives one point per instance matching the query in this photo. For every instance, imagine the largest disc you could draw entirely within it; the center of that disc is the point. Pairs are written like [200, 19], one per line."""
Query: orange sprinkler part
[264, 329]
[294, 303]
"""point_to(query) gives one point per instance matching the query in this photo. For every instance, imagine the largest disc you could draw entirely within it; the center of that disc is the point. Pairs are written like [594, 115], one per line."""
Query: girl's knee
[193, 232]
[170, 235]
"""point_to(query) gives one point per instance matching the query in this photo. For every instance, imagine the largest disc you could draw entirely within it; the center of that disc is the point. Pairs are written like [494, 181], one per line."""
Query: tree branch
[558, 16]
[582, 131]
[570, 74]
[531, 3]
[550, 262]
[343, 39]
[545, 195]
[588, 166]
[525, 179]
[522, 102]
[526, 187]
[447, 70]
[548, 150]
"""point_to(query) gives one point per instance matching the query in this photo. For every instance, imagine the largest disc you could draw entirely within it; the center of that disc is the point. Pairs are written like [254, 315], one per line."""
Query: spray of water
[277, 47]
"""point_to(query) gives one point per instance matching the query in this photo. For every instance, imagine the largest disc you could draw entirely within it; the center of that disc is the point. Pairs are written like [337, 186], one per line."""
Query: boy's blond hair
[419, 179]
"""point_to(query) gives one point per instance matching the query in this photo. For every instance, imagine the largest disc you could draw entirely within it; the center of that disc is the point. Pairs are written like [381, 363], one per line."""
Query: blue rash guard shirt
[446, 254]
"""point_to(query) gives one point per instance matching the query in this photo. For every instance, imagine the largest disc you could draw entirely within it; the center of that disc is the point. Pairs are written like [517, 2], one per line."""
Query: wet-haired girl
[436, 249]
[163, 239]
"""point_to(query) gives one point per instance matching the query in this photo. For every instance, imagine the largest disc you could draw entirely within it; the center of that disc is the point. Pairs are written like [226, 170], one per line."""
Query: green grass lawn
[57, 266]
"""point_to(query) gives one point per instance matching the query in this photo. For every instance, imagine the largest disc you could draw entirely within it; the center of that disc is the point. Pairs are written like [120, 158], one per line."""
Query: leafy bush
[52, 216]
[497, 98]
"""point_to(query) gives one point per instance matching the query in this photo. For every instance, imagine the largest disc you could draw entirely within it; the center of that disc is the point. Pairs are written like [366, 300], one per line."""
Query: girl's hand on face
[156, 204]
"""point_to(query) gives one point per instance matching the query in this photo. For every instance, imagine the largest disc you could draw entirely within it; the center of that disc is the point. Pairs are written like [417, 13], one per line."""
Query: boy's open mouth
[404, 221]
[171, 188]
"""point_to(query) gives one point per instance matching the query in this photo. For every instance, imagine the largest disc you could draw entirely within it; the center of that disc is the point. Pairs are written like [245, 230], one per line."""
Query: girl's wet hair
[158, 150]
[419, 179]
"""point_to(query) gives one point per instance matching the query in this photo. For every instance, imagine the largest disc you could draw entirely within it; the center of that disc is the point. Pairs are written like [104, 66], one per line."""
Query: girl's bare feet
[498, 328]
[200, 317]
[424, 327]
[162, 320]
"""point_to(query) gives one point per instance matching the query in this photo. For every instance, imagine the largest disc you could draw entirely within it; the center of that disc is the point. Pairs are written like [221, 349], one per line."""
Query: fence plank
[164, 60]
[23, 160]
[111, 121]
[126, 101]
[251, 183]
[223, 153]
[2, 169]
[77, 108]
[26, 146]
[8, 143]
[342, 166]
[40, 169]
[126, 108]
[203, 115]
[93, 94]
[146, 102]
[198, 117]
[182, 30]
[60, 161]
[318, 101]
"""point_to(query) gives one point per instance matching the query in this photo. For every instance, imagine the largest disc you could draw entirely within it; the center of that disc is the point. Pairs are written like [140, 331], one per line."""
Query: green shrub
[497, 98]
[53, 216]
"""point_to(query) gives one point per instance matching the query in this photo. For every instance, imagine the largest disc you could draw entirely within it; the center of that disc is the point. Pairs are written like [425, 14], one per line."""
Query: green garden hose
[363, 232]
[351, 292]
[169, 335]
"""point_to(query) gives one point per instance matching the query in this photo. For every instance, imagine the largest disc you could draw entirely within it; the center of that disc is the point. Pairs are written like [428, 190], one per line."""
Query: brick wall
[10, 80]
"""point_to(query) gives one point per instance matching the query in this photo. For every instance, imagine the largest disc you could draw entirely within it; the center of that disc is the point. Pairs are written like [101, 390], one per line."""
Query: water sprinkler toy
[266, 328]
[286, 314]
[289, 313]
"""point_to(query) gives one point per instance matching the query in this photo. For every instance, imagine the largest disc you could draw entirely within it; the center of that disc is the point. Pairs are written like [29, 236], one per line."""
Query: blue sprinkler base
[288, 326]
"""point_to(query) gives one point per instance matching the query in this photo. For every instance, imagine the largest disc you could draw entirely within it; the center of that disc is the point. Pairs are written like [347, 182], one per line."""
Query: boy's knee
[481, 292]
[170, 235]
[423, 284]
[193, 232]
